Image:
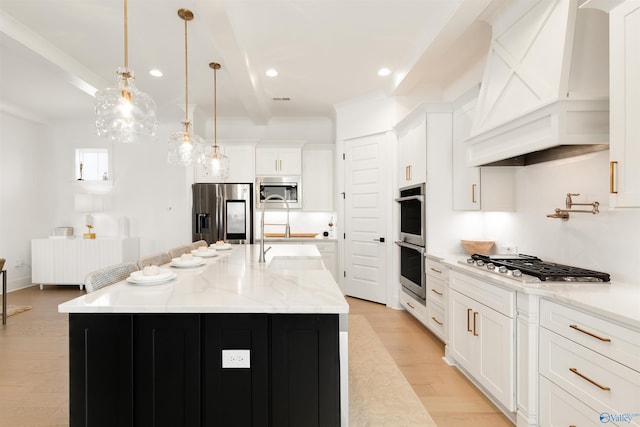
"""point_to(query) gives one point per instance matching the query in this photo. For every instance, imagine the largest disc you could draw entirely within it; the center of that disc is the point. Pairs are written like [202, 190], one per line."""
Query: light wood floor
[34, 373]
[447, 395]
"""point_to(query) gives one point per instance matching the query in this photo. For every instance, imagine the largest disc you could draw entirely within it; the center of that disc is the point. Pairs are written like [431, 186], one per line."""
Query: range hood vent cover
[544, 93]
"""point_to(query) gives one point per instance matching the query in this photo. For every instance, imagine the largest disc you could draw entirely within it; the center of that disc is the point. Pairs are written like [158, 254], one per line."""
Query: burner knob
[503, 269]
[479, 263]
[471, 261]
[491, 266]
[516, 273]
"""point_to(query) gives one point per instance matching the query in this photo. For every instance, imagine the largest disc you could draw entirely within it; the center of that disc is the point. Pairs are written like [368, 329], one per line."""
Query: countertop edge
[604, 300]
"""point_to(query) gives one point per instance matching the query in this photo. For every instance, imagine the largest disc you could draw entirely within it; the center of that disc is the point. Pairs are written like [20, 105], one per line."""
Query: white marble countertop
[615, 300]
[232, 282]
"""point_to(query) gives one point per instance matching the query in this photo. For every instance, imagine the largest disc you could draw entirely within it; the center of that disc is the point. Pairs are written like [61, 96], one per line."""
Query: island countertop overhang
[233, 282]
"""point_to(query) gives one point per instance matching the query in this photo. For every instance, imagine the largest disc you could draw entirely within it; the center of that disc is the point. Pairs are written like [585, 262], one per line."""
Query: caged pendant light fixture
[122, 112]
[184, 145]
[216, 164]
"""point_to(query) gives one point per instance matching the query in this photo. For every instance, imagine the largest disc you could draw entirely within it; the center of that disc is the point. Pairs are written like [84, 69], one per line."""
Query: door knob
[380, 239]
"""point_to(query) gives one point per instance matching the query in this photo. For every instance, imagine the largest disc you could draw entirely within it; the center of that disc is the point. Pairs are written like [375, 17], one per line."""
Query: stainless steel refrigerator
[223, 212]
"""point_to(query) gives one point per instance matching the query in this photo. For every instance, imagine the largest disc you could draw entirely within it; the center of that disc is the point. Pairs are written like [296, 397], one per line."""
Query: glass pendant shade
[216, 164]
[123, 113]
[185, 147]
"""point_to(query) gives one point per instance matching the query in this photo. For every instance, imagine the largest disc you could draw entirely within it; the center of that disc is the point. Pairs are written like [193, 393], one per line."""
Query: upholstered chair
[155, 259]
[199, 243]
[177, 251]
[109, 275]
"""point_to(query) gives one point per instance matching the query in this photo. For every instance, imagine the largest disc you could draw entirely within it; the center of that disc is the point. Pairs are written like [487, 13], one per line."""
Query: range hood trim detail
[544, 92]
[580, 126]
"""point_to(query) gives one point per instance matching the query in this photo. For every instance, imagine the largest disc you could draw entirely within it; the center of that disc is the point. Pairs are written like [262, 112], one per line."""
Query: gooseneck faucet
[287, 229]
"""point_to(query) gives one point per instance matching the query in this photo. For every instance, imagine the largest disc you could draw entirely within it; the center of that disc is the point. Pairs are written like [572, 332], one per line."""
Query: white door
[366, 200]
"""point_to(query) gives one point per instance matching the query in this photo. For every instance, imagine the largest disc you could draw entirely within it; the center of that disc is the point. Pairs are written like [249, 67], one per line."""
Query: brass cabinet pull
[406, 173]
[280, 165]
[612, 166]
[586, 378]
[473, 193]
[435, 270]
[409, 304]
[436, 292]
[436, 320]
[475, 318]
[468, 318]
[591, 334]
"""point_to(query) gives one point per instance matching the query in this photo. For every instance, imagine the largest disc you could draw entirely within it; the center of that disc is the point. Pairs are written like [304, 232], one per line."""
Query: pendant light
[184, 145]
[216, 164]
[123, 113]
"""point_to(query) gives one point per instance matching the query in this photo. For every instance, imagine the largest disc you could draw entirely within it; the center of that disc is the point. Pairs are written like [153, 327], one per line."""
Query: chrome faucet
[287, 229]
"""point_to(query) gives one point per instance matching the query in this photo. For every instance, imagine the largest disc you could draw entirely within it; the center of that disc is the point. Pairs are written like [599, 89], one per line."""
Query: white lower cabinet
[593, 361]
[414, 306]
[559, 408]
[328, 250]
[481, 335]
[437, 276]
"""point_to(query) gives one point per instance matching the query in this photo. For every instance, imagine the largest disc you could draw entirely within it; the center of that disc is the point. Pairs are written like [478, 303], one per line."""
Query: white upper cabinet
[317, 178]
[240, 163]
[624, 145]
[475, 188]
[273, 160]
[412, 153]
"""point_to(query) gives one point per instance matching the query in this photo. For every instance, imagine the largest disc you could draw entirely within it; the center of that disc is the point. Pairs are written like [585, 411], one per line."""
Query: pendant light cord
[186, 75]
[215, 107]
[126, 39]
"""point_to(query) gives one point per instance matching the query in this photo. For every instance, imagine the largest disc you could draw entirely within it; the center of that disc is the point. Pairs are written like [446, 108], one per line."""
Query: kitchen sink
[296, 263]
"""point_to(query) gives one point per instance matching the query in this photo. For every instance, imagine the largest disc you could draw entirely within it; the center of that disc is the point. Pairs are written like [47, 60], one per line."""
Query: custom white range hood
[545, 89]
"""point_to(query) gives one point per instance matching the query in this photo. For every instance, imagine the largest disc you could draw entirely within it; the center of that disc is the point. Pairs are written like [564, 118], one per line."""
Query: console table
[67, 261]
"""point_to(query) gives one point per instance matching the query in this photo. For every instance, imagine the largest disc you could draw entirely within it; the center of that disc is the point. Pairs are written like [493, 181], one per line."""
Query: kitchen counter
[293, 239]
[226, 341]
[232, 282]
[615, 300]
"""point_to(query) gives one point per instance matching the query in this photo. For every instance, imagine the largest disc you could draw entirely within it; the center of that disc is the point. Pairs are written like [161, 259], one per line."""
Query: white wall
[25, 201]
[608, 241]
[37, 183]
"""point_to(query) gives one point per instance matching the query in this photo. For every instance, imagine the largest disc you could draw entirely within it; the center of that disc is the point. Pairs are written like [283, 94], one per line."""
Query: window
[92, 164]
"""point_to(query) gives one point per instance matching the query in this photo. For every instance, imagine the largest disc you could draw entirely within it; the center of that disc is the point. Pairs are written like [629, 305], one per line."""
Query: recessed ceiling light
[272, 72]
[156, 73]
[384, 72]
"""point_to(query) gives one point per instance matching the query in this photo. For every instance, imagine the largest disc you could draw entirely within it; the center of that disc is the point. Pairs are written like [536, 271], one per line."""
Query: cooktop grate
[544, 270]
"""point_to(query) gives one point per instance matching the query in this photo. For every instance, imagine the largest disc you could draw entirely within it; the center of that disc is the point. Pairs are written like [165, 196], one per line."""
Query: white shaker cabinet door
[624, 102]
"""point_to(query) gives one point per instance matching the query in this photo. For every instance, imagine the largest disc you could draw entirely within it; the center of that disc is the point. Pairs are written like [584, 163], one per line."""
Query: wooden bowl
[477, 246]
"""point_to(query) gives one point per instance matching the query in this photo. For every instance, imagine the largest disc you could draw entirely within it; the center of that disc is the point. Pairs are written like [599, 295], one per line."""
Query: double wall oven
[412, 241]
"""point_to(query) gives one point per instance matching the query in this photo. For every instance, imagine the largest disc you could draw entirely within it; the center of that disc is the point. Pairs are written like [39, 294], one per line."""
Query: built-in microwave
[412, 214]
[287, 187]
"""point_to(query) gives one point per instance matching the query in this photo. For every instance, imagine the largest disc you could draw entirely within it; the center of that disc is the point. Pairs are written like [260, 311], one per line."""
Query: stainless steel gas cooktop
[527, 268]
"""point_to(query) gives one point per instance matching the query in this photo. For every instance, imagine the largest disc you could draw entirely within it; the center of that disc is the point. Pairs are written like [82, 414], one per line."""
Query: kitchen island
[231, 342]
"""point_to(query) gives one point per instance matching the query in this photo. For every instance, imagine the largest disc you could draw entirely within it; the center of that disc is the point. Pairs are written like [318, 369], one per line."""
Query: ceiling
[55, 53]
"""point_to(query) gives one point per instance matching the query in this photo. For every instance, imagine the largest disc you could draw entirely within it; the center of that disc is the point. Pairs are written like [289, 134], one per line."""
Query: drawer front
[415, 307]
[436, 320]
[559, 408]
[436, 290]
[500, 299]
[611, 340]
[437, 269]
[599, 382]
